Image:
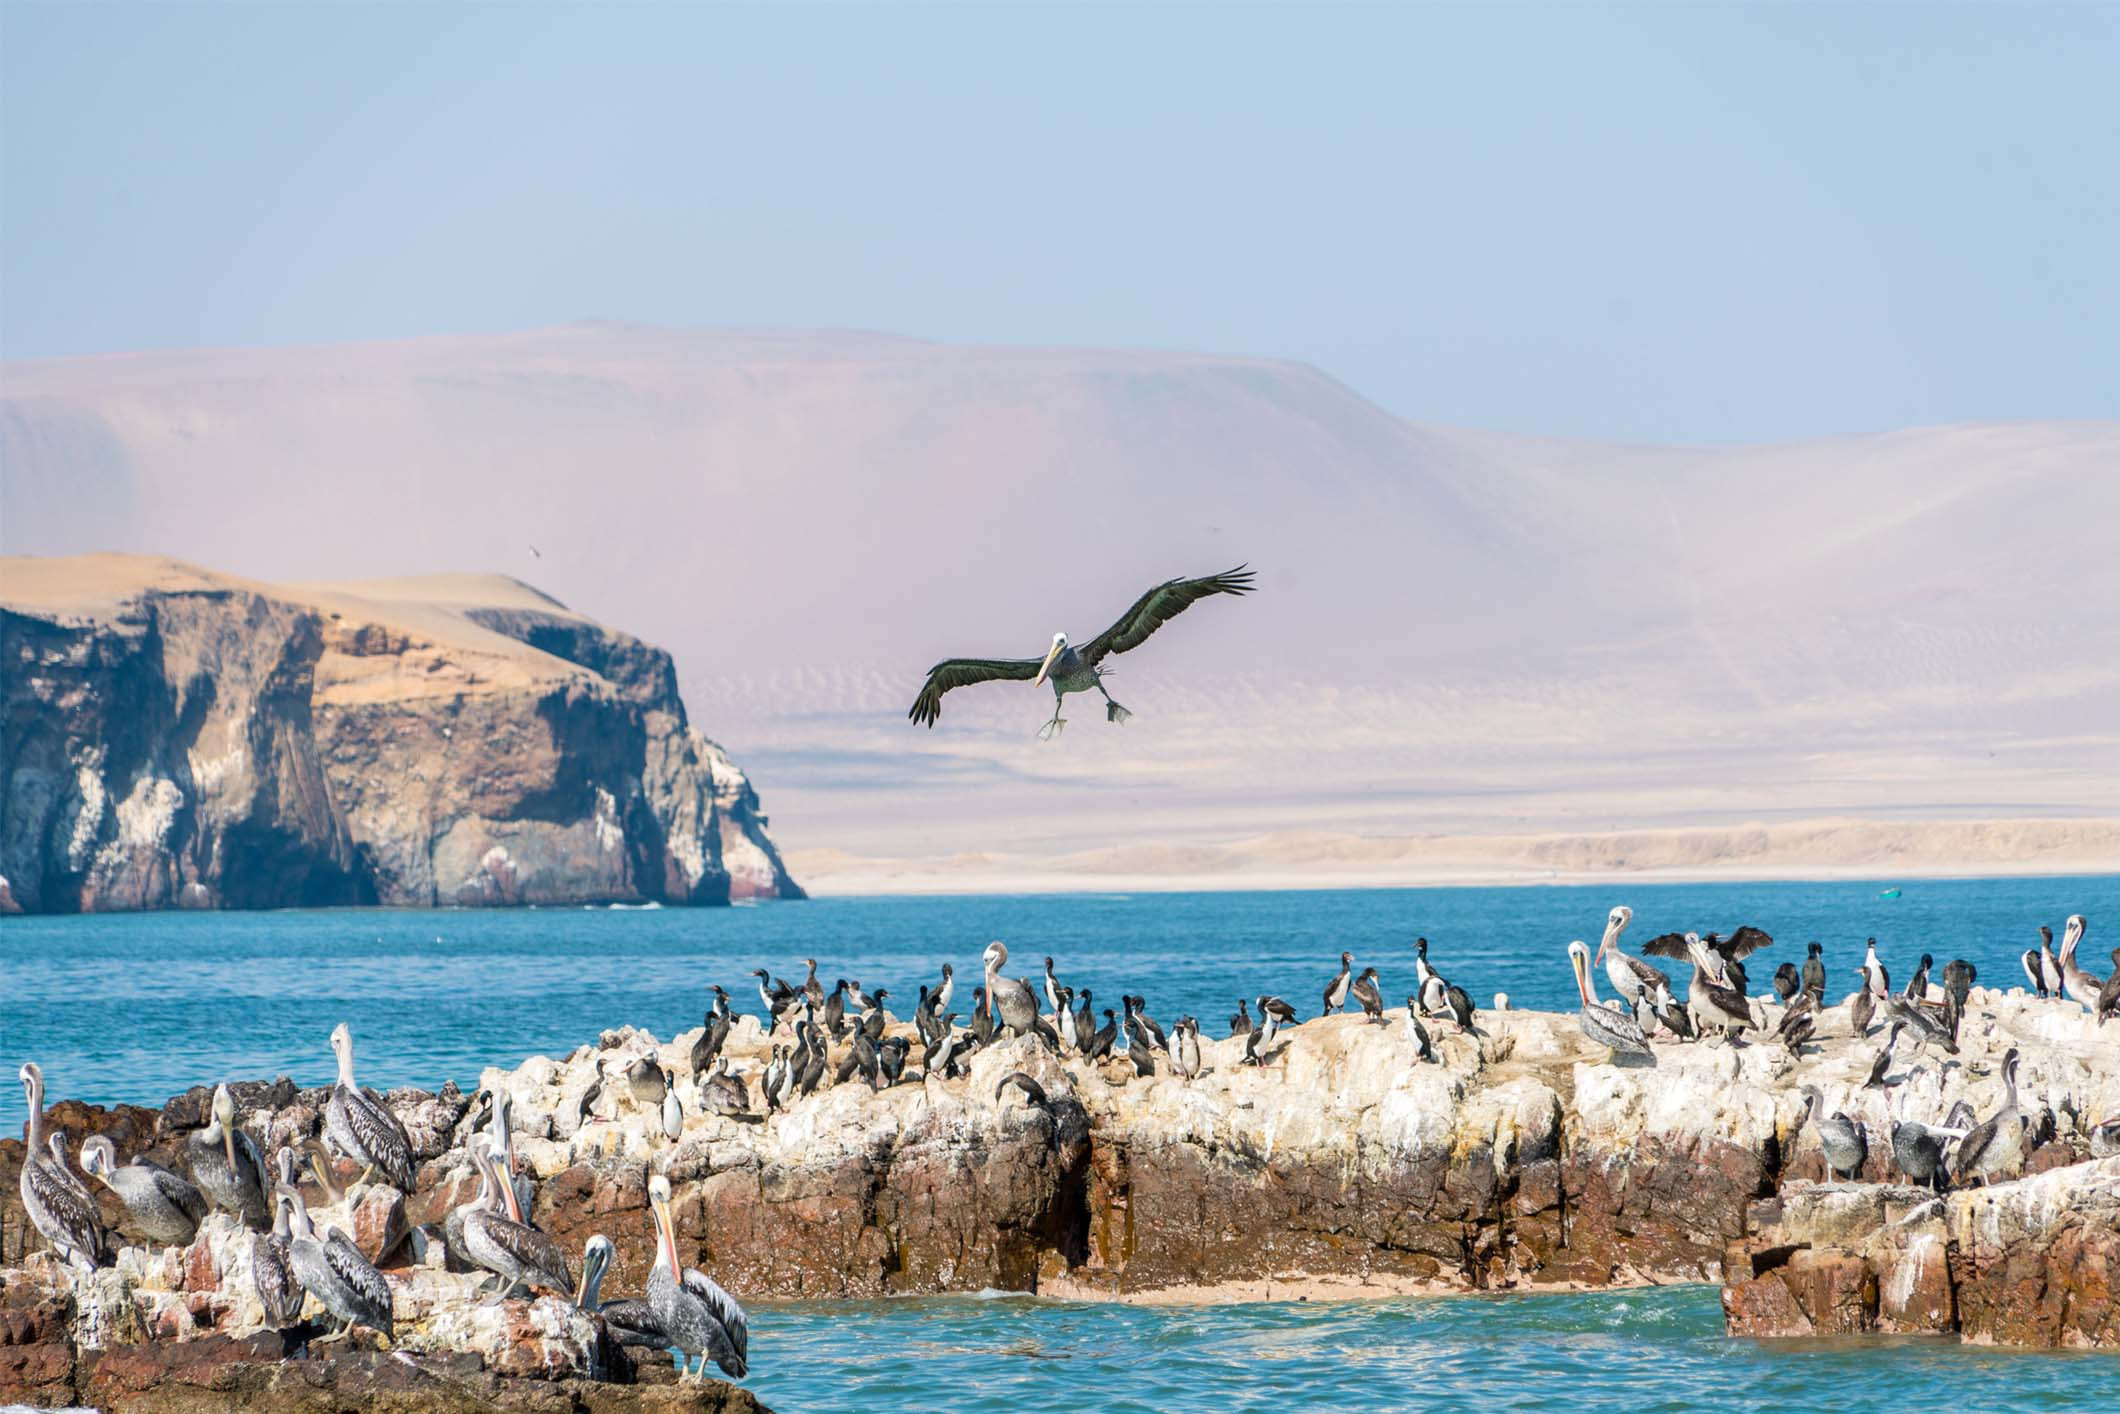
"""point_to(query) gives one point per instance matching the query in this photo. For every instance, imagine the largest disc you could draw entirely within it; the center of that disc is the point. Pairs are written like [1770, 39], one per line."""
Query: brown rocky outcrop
[181, 739]
[2034, 1261]
[1525, 1159]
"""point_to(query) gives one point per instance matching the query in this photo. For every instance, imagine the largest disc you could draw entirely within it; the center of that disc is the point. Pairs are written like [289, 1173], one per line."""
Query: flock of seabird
[686, 1312]
[683, 1310]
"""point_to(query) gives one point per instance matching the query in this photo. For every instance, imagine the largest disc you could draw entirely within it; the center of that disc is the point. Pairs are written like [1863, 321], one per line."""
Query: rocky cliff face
[178, 739]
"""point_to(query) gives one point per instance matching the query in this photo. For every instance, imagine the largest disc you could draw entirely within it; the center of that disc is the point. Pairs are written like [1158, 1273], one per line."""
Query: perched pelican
[1840, 1138]
[697, 1316]
[58, 1207]
[1996, 1144]
[1078, 670]
[1630, 977]
[227, 1166]
[333, 1270]
[1710, 1000]
[279, 1290]
[1009, 1000]
[497, 1238]
[163, 1207]
[1814, 972]
[362, 1127]
[1607, 1026]
[1336, 989]
[631, 1322]
[500, 1123]
[644, 1082]
[2082, 988]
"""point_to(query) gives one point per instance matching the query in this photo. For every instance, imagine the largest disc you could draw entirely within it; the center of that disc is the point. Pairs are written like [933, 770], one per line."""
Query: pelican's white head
[1615, 924]
[1579, 959]
[1059, 647]
[996, 955]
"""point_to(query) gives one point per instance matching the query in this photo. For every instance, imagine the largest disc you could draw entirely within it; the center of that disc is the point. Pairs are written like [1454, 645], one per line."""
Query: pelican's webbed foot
[1051, 729]
[1113, 712]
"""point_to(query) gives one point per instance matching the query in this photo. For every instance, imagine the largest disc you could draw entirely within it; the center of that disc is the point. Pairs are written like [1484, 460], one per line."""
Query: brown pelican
[1995, 1145]
[1336, 989]
[497, 1238]
[1630, 977]
[1607, 1026]
[1009, 1000]
[2082, 987]
[631, 1322]
[1710, 1000]
[1840, 1138]
[1814, 972]
[57, 1206]
[226, 1165]
[163, 1207]
[697, 1316]
[279, 1291]
[333, 1270]
[499, 1120]
[362, 1127]
[724, 1094]
[1078, 670]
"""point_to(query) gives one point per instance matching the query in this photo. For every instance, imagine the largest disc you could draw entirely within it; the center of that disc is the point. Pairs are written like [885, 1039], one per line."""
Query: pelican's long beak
[1582, 984]
[1046, 666]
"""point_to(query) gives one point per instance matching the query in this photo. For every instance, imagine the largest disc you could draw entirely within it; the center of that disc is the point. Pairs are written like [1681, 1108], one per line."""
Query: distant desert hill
[1459, 632]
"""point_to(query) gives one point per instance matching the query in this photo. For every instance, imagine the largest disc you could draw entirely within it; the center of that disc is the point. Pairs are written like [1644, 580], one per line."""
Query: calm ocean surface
[139, 1007]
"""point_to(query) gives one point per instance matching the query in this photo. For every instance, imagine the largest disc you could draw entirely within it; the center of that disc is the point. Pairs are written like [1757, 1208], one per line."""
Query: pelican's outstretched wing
[1666, 945]
[963, 672]
[1743, 943]
[1157, 607]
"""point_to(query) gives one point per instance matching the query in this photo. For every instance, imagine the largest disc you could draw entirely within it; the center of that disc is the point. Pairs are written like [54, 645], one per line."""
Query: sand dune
[1456, 632]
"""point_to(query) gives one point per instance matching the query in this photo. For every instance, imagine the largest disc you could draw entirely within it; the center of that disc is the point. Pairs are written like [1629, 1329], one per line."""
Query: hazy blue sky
[1671, 222]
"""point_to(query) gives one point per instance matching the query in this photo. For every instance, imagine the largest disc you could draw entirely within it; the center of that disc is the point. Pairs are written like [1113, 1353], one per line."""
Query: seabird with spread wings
[1072, 669]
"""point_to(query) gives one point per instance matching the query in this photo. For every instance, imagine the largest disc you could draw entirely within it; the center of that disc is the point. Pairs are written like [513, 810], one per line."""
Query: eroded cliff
[180, 739]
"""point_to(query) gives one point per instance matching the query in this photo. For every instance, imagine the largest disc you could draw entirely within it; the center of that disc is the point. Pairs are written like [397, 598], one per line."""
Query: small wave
[649, 906]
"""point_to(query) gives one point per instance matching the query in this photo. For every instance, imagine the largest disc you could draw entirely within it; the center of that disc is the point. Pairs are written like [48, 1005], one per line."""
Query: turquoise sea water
[139, 1007]
[1630, 1352]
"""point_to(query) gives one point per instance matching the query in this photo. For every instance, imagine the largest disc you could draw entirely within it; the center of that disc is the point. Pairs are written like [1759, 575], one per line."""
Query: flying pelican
[697, 1316]
[1072, 669]
[361, 1126]
[1607, 1026]
[56, 1207]
[162, 1206]
[333, 1270]
[227, 1166]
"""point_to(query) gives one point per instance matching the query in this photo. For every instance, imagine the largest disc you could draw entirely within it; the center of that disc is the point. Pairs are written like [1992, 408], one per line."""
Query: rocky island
[176, 738]
[1521, 1157]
